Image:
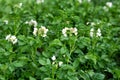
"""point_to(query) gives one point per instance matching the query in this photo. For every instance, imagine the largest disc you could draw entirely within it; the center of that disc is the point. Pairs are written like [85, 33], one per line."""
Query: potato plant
[59, 40]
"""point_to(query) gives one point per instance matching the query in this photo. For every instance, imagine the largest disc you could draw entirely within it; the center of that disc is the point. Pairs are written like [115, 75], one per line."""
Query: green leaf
[84, 75]
[2, 77]
[2, 50]
[56, 42]
[91, 57]
[76, 63]
[18, 63]
[63, 50]
[31, 78]
[98, 76]
[44, 61]
[48, 79]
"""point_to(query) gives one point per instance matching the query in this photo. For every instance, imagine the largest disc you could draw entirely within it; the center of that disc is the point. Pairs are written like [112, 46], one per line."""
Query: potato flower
[31, 23]
[98, 34]
[11, 38]
[43, 31]
[39, 1]
[6, 21]
[80, 1]
[60, 63]
[53, 58]
[91, 32]
[35, 31]
[71, 31]
[109, 4]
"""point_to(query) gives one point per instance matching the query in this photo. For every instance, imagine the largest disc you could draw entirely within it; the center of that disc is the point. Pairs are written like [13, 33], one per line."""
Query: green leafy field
[59, 40]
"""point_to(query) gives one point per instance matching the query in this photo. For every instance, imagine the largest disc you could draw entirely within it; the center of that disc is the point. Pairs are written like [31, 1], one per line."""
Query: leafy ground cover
[59, 40]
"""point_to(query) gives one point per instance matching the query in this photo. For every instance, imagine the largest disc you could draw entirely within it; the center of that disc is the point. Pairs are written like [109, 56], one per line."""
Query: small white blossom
[8, 37]
[6, 21]
[92, 24]
[39, 1]
[53, 62]
[64, 31]
[60, 63]
[80, 1]
[87, 23]
[11, 38]
[105, 8]
[53, 58]
[109, 4]
[98, 34]
[26, 22]
[89, 0]
[20, 5]
[35, 31]
[43, 31]
[71, 30]
[74, 31]
[31, 23]
[63, 55]
[91, 32]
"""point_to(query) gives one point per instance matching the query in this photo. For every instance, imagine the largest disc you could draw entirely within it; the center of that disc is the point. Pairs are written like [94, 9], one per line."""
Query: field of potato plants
[59, 39]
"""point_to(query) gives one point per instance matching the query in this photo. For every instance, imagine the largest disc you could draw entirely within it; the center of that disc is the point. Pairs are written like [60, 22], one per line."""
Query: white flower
[35, 31]
[73, 30]
[8, 37]
[11, 38]
[87, 23]
[109, 4]
[26, 22]
[31, 23]
[20, 5]
[43, 31]
[80, 1]
[39, 1]
[64, 31]
[91, 32]
[6, 21]
[89, 0]
[53, 58]
[92, 24]
[98, 34]
[105, 8]
[60, 63]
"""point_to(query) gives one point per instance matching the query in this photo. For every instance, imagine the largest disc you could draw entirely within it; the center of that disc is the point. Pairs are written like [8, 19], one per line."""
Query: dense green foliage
[82, 57]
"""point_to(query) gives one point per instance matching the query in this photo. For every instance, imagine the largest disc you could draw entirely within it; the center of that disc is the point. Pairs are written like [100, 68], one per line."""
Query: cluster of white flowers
[70, 30]
[108, 5]
[98, 34]
[39, 1]
[41, 31]
[31, 23]
[11, 38]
